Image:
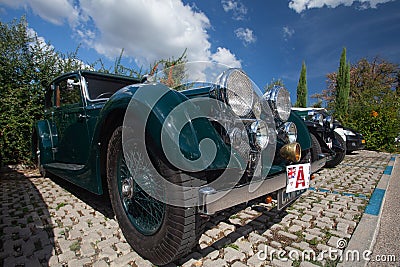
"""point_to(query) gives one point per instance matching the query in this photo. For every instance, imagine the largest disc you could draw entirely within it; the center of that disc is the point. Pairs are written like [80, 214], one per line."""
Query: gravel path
[48, 222]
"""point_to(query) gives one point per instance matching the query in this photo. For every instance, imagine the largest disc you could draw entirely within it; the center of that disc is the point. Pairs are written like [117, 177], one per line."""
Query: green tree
[278, 82]
[301, 101]
[374, 101]
[27, 65]
[342, 87]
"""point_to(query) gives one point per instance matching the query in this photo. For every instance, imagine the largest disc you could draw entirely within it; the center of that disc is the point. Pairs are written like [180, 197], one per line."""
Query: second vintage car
[169, 159]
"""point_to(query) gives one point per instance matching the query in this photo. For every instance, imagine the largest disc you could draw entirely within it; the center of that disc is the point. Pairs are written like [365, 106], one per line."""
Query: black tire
[178, 230]
[339, 156]
[315, 148]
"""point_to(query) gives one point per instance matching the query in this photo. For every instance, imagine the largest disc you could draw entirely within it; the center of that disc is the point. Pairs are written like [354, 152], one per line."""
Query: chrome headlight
[288, 132]
[279, 100]
[318, 118]
[238, 94]
[329, 121]
[348, 132]
[260, 131]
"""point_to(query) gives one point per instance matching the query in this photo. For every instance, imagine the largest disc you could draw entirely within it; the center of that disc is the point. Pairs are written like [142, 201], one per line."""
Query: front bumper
[212, 200]
[354, 143]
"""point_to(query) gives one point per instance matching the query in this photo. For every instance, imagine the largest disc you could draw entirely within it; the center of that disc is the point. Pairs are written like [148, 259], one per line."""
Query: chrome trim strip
[211, 200]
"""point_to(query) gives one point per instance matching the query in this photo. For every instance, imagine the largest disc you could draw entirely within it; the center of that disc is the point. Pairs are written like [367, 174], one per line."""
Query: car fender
[134, 99]
[340, 131]
[303, 135]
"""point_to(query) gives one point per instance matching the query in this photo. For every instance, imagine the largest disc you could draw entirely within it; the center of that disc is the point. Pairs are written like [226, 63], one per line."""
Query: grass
[75, 246]
[60, 205]
[234, 246]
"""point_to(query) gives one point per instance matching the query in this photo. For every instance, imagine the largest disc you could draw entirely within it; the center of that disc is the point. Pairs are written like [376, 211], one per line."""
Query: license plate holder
[285, 199]
[297, 182]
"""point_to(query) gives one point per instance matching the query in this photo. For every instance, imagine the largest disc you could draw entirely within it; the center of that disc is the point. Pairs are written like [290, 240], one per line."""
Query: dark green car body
[81, 139]
[73, 136]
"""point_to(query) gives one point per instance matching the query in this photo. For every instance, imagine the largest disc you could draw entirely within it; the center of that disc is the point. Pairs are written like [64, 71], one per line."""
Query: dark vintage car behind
[354, 140]
[86, 137]
[326, 134]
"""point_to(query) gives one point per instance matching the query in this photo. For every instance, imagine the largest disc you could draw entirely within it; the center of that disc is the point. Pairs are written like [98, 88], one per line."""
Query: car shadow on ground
[26, 233]
[26, 226]
[100, 203]
[254, 227]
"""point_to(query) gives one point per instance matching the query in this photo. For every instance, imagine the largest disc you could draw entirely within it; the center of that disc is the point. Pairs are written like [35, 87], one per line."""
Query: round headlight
[288, 132]
[279, 100]
[238, 91]
[318, 118]
[329, 122]
[260, 130]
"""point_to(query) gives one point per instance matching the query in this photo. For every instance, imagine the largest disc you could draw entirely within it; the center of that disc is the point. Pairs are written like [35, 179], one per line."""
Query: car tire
[339, 156]
[315, 148]
[160, 232]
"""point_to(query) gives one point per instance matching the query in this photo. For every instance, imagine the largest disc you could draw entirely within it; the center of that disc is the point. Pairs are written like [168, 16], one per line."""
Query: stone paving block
[295, 228]
[125, 259]
[238, 264]
[123, 247]
[100, 263]
[231, 255]
[66, 256]
[307, 264]
[288, 235]
[281, 263]
[302, 223]
[109, 253]
[213, 263]
[79, 262]
[256, 238]
[245, 247]
[255, 261]
[222, 243]
[276, 244]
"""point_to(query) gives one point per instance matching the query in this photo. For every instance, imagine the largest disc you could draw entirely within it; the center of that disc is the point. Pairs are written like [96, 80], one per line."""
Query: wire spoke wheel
[145, 212]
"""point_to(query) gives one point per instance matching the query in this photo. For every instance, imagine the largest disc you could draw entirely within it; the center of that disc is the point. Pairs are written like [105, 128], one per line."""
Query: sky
[268, 39]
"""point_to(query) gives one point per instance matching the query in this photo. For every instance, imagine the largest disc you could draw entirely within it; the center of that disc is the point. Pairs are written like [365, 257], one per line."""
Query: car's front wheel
[339, 152]
[156, 230]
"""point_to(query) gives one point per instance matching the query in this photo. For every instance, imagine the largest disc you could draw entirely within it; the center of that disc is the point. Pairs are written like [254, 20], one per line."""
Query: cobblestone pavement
[54, 223]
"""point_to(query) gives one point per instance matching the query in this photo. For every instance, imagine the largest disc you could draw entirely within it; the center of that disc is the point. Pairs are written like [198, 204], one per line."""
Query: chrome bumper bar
[212, 200]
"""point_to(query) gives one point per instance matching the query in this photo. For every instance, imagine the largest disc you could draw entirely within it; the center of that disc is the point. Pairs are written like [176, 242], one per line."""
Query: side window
[68, 92]
[49, 96]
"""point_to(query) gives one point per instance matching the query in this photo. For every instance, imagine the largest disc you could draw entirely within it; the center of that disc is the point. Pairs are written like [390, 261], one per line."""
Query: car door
[70, 120]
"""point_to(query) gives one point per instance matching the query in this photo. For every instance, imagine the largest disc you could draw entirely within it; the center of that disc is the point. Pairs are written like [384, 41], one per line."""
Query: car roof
[101, 74]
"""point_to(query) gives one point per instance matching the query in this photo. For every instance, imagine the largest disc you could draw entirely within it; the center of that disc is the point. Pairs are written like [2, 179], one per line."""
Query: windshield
[101, 87]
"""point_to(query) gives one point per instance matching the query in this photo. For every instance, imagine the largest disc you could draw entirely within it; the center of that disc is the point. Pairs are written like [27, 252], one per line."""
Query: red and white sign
[298, 177]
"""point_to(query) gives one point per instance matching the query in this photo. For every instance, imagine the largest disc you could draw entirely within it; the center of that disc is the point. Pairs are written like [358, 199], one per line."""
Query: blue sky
[269, 39]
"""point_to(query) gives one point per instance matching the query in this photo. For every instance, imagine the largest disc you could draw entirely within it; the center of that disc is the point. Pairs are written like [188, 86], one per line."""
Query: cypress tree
[301, 101]
[342, 87]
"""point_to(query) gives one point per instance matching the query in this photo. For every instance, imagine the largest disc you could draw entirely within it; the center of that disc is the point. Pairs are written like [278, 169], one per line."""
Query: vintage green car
[167, 158]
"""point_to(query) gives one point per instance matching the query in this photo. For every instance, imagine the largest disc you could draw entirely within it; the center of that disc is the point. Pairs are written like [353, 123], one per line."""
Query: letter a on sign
[298, 177]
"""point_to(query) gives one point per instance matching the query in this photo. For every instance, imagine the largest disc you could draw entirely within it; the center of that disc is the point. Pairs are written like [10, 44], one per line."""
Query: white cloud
[287, 33]
[301, 5]
[147, 30]
[224, 56]
[54, 11]
[238, 8]
[246, 35]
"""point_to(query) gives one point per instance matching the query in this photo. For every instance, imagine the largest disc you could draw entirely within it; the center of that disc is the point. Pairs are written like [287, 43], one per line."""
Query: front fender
[303, 134]
[158, 107]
